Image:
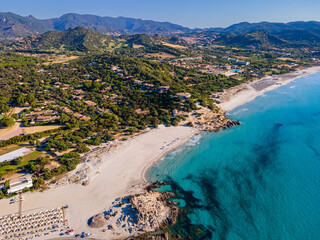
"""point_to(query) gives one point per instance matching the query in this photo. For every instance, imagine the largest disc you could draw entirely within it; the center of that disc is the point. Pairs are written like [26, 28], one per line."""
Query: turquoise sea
[257, 181]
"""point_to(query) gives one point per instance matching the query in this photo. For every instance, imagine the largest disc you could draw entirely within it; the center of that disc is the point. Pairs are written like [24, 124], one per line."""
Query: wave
[240, 111]
[176, 152]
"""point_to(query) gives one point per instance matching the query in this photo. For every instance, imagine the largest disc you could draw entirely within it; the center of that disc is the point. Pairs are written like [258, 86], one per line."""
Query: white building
[236, 61]
[183, 95]
[19, 184]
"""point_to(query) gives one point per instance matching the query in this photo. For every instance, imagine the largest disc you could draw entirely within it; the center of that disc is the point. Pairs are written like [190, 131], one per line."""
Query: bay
[260, 180]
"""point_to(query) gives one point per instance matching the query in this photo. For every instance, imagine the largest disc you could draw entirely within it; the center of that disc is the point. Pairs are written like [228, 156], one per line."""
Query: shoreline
[120, 173]
[122, 170]
[246, 92]
[163, 154]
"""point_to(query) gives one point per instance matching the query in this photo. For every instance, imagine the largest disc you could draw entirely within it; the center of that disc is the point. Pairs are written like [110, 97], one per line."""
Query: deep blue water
[260, 180]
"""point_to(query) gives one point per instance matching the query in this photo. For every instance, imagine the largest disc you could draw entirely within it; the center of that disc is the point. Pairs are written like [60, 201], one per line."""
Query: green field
[25, 160]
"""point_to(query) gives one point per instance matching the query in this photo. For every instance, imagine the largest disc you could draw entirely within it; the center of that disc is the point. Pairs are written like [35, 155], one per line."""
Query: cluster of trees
[6, 121]
[68, 162]
[116, 94]
[28, 137]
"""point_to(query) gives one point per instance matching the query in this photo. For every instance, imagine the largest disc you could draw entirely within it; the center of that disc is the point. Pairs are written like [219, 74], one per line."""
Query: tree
[20, 100]
[16, 161]
[15, 116]
[64, 118]
[7, 184]
[4, 108]
[82, 148]
[47, 174]
[31, 167]
[6, 121]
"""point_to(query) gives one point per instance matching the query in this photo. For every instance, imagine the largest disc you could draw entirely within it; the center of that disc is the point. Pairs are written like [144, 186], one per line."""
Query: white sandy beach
[120, 174]
[246, 92]
[122, 171]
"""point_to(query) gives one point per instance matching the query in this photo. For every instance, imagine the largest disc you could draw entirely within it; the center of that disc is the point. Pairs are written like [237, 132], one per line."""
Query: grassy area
[10, 148]
[59, 59]
[32, 156]
[160, 55]
[240, 78]
[10, 169]
[173, 45]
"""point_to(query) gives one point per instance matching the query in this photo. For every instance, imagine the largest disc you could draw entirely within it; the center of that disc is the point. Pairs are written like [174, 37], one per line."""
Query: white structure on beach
[236, 61]
[19, 184]
[14, 154]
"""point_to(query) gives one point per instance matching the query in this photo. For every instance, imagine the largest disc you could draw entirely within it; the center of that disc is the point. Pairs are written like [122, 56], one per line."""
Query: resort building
[90, 103]
[139, 111]
[148, 86]
[183, 95]
[137, 81]
[46, 118]
[163, 89]
[176, 113]
[236, 61]
[20, 183]
[187, 59]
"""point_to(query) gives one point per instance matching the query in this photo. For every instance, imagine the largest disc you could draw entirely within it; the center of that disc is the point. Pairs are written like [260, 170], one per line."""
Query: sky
[188, 13]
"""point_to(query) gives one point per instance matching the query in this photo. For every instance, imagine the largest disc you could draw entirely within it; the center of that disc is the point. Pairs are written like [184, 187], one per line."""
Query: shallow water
[260, 180]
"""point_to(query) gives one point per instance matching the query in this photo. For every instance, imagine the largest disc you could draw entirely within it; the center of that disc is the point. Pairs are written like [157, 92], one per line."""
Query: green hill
[255, 39]
[83, 40]
[300, 37]
[78, 39]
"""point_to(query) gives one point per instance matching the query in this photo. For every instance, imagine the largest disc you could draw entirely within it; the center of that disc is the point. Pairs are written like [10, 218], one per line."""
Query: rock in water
[97, 221]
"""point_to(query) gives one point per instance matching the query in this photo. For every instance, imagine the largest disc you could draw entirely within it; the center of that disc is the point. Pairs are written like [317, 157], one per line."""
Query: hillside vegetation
[83, 40]
[77, 39]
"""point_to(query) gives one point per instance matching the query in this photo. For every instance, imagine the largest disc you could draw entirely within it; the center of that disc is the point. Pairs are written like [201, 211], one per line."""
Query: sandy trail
[10, 132]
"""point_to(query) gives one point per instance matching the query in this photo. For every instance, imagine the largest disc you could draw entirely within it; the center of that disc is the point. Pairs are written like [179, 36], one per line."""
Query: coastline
[122, 170]
[158, 157]
[246, 92]
[120, 173]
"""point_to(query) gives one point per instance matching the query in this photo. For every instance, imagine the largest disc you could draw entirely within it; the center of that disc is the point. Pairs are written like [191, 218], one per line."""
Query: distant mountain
[120, 25]
[13, 25]
[254, 39]
[300, 36]
[268, 27]
[268, 34]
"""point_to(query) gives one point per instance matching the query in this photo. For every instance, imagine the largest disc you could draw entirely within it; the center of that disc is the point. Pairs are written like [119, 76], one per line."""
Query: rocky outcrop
[141, 213]
[231, 123]
[214, 122]
[205, 119]
[97, 221]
